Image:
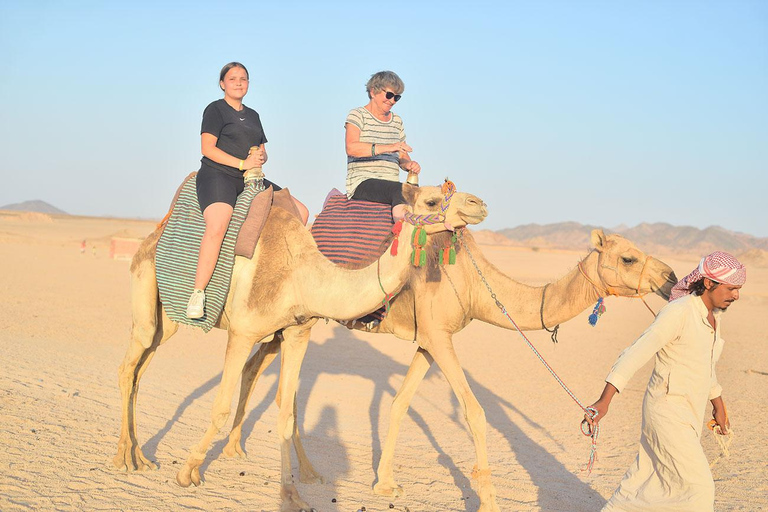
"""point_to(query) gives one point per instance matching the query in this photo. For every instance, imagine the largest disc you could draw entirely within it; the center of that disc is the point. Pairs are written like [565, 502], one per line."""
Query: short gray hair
[382, 80]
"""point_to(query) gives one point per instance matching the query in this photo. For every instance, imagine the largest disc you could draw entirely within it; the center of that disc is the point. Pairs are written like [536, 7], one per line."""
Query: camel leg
[238, 348]
[440, 346]
[386, 486]
[294, 347]
[148, 332]
[256, 365]
[253, 369]
[307, 472]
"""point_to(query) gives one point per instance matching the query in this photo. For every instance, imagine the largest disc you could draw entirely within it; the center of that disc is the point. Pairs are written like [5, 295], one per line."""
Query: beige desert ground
[65, 327]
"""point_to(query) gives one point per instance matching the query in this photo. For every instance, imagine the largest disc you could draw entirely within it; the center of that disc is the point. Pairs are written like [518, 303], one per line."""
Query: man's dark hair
[698, 287]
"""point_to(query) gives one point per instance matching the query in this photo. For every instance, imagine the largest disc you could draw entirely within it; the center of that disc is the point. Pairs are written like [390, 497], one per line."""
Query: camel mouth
[665, 290]
[474, 216]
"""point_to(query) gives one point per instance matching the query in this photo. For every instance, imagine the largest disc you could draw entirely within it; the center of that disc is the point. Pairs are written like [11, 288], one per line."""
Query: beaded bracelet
[241, 165]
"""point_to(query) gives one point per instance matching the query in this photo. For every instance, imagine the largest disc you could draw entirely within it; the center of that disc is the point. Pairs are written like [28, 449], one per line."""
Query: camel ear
[598, 239]
[409, 193]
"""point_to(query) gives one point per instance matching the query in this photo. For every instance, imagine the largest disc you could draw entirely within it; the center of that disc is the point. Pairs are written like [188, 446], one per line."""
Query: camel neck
[565, 297]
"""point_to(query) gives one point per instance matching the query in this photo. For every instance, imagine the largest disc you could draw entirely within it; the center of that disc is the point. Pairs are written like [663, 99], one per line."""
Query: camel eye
[628, 261]
[431, 203]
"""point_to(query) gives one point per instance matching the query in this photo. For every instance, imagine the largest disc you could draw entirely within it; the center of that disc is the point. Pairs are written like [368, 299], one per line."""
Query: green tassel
[419, 257]
[419, 236]
[441, 258]
[452, 256]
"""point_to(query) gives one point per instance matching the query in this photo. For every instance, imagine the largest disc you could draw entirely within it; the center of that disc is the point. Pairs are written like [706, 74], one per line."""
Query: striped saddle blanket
[352, 234]
[177, 253]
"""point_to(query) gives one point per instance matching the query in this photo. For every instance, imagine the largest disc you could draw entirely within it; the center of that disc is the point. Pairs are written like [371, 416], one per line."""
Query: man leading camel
[671, 471]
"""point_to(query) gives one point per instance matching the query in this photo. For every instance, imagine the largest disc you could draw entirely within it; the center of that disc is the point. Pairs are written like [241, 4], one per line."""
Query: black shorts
[380, 191]
[214, 186]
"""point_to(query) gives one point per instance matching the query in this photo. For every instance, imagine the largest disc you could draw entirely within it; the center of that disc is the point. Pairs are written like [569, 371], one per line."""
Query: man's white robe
[671, 472]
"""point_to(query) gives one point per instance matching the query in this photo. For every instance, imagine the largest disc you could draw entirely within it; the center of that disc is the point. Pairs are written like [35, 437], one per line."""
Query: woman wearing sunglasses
[376, 148]
[232, 141]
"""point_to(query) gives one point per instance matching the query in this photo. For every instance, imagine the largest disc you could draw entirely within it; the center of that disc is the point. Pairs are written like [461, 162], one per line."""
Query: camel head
[462, 208]
[625, 270]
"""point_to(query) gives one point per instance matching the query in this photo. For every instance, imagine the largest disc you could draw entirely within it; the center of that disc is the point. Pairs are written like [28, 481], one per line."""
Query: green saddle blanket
[178, 249]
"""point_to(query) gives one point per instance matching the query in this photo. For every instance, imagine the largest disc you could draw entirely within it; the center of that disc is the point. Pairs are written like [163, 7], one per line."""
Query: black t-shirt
[237, 132]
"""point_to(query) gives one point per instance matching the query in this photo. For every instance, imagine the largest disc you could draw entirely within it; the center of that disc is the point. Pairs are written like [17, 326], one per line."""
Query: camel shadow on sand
[546, 472]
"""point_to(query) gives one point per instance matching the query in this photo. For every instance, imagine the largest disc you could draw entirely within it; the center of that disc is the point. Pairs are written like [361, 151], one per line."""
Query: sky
[600, 112]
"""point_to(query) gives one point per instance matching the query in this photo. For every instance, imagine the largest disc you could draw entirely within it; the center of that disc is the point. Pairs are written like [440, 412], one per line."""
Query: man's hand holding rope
[600, 407]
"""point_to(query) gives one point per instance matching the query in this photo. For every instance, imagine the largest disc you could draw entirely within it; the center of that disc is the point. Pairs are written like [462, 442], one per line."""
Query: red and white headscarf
[718, 266]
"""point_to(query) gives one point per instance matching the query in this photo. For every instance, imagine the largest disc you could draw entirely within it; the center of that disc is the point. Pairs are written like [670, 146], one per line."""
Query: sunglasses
[391, 95]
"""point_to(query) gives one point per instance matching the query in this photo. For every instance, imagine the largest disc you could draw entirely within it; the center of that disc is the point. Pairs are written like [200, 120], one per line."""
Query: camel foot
[390, 489]
[292, 502]
[189, 475]
[233, 449]
[310, 476]
[132, 459]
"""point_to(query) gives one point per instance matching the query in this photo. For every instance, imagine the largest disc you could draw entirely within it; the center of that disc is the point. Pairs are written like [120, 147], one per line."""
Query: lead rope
[585, 428]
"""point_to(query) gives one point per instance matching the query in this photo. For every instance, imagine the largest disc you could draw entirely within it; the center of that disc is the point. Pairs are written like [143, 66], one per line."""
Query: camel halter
[599, 308]
[590, 411]
[448, 189]
[419, 237]
[610, 290]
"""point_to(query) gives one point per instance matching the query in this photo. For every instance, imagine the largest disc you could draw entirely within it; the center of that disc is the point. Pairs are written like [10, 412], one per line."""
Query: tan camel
[278, 293]
[443, 307]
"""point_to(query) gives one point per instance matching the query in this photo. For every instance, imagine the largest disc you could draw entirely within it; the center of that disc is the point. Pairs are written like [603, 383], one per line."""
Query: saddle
[179, 246]
[353, 234]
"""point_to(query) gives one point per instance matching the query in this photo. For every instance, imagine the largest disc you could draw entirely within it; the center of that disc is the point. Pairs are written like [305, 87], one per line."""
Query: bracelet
[373, 149]
[241, 165]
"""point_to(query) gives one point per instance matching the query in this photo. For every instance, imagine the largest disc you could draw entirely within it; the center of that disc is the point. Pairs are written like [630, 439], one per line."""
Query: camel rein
[590, 411]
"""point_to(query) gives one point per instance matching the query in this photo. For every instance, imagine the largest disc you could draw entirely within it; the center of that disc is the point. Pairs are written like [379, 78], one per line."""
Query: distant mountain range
[653, 238]
[659, 237]
[34, 206]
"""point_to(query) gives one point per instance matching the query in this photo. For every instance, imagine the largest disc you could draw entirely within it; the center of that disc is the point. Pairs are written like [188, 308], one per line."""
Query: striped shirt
[384, 166]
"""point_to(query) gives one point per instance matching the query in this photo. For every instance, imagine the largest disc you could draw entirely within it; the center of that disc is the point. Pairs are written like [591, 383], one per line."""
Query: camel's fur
[446, 306]
[278, 294]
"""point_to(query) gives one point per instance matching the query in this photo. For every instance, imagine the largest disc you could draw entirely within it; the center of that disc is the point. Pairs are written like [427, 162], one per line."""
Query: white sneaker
[196, 305]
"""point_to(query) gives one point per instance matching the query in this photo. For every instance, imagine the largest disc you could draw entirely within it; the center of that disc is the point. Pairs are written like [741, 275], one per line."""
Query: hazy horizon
[614, 228]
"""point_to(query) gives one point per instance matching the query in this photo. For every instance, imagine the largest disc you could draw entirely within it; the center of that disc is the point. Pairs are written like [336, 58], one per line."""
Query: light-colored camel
[278, 293]
[431, 310]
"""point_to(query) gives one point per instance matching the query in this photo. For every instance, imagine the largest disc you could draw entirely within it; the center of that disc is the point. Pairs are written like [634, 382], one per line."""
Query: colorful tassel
[396, 229]
[597, 312]
[448, 254]
[418, 240]
[419, 237]
[419, 257]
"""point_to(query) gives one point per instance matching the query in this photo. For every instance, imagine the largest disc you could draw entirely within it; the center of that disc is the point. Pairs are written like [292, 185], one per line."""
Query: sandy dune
[65, 328]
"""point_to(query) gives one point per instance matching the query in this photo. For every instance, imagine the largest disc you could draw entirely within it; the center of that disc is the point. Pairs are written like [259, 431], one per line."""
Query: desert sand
[65, 327]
